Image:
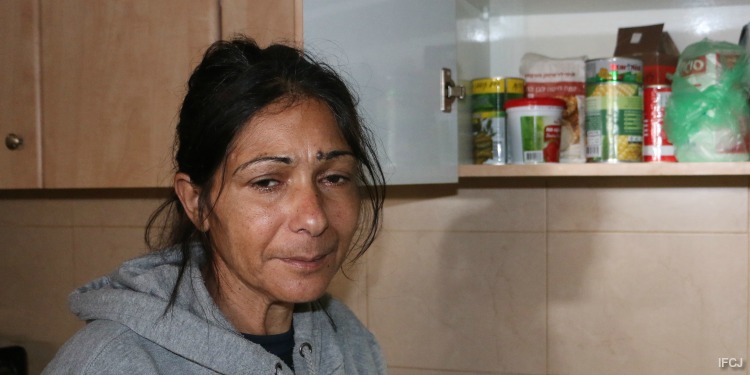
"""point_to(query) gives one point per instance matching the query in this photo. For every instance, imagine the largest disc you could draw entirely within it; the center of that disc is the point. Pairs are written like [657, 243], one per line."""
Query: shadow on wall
[638, 282]
[466, 288]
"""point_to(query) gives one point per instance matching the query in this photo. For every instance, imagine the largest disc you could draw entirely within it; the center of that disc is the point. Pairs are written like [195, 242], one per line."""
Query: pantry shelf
[606, 169]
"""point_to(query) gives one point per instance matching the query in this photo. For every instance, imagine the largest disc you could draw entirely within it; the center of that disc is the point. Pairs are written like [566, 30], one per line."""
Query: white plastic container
[533, 132]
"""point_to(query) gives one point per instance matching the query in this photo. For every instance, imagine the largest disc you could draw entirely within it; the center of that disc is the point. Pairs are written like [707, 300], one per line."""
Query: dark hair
[236, 81]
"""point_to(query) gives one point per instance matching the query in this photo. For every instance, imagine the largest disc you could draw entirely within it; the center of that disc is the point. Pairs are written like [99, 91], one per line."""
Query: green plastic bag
[707, 114]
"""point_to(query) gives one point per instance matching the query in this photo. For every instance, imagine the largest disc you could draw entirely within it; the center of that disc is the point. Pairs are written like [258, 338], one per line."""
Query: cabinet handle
[13, 142]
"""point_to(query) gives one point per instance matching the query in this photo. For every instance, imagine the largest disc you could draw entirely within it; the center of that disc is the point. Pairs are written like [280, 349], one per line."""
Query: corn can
[614, 110]
[488, 97]
[656, 146]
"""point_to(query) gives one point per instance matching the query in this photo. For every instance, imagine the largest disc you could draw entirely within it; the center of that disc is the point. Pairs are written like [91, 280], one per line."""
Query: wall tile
[459, 301]
[411, 371]
[447, 289]
[99, 250]
[114, 211]
[350, 287]
[108, 207]
[36, 212]
[646, 303]
[492, 205]
[708, 205]
[36, 265]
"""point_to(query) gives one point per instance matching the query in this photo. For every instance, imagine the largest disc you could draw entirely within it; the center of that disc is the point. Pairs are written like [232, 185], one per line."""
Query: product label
[614, 128]
[701, 71]
[540, 138]
[554, 89]
[656, 146]
[489, 137]
[491, 102]
[614, 70]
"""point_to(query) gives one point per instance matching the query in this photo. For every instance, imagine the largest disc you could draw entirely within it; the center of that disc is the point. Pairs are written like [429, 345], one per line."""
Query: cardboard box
[654, 47]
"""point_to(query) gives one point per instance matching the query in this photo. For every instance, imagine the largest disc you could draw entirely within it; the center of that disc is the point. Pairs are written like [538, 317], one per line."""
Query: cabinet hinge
[449, 91]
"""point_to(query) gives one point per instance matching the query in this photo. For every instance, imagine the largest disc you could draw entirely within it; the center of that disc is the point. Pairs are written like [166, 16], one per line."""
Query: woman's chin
[304, 293]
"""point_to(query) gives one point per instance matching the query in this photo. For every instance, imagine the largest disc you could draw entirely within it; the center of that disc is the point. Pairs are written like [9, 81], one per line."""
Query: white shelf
[532, 7]
[606, 169]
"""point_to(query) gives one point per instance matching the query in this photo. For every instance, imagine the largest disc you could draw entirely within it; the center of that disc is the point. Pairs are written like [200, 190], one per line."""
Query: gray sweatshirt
[128, 331]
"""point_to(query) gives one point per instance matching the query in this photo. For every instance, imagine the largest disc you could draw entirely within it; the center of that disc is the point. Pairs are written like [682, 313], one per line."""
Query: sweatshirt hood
[137, 295]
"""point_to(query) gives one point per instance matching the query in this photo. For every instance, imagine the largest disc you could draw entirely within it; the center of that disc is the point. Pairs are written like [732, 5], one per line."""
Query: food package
[562, 78]
[654, 47]
[707, 114]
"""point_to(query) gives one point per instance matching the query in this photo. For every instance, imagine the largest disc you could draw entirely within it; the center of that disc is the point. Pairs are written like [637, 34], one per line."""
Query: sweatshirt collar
[137, 294]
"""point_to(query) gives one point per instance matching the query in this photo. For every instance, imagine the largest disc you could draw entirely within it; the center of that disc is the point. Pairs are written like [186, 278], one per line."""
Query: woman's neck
[248, 311]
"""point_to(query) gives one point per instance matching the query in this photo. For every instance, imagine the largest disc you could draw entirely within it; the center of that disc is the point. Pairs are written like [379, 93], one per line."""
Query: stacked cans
[488, 98]
[614, 110]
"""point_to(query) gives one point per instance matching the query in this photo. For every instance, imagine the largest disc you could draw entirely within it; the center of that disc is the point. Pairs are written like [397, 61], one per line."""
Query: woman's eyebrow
[321, 156]
[333, 154]
[279, 159]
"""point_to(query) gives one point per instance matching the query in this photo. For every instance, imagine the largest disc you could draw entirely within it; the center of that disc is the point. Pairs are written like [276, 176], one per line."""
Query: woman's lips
[307, 263]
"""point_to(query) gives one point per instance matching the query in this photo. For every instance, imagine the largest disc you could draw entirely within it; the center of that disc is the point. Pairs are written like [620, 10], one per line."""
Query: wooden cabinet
[94, 87]
[19, 94]
[113, 74]
[266, 21]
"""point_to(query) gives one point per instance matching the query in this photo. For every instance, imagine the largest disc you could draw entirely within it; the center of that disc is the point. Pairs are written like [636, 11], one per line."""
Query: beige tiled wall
[491, 276]
[52, 242]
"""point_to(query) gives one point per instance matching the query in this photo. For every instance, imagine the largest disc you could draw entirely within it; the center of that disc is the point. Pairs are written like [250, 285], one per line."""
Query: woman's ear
[189, 195]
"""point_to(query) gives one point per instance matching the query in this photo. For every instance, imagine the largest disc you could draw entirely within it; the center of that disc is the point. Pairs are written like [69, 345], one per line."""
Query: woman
[277, 184]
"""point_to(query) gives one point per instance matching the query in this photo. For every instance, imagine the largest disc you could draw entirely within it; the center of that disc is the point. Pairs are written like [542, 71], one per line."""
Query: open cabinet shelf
[494, 35]
[605, 169]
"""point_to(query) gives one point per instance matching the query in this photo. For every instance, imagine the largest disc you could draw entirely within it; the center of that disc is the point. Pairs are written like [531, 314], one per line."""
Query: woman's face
[285, 218]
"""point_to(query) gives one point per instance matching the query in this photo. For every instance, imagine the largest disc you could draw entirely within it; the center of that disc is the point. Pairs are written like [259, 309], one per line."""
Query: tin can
[614, 110]
[488, 97]
[534, 130]
[656, 146]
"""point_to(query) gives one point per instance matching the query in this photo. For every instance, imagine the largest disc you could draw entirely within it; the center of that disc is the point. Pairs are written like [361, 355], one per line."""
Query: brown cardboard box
[652, 45]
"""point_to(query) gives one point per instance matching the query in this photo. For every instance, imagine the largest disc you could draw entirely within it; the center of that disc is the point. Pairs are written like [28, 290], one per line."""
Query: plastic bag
[707, 114]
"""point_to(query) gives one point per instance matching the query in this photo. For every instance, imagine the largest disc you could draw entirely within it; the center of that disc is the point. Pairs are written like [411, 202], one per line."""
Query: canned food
[614, 69]
[488, 97]
[614, 110]
[656, 146]
[534, 130]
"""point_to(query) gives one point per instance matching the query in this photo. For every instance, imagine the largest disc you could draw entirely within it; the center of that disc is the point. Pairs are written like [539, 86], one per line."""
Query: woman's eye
[265, 184]
[336, 179]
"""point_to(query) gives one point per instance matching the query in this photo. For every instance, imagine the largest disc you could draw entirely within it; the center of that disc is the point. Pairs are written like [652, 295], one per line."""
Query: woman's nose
[308, 214]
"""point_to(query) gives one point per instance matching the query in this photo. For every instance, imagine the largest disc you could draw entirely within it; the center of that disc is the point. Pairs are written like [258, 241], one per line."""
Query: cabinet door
[19, 93]
[266, 21]
[113, 76]
[393, 51]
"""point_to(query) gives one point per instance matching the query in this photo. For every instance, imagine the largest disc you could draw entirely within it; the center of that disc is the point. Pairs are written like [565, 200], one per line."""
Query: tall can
[614, 110]
[656, 146]
[488, 97]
